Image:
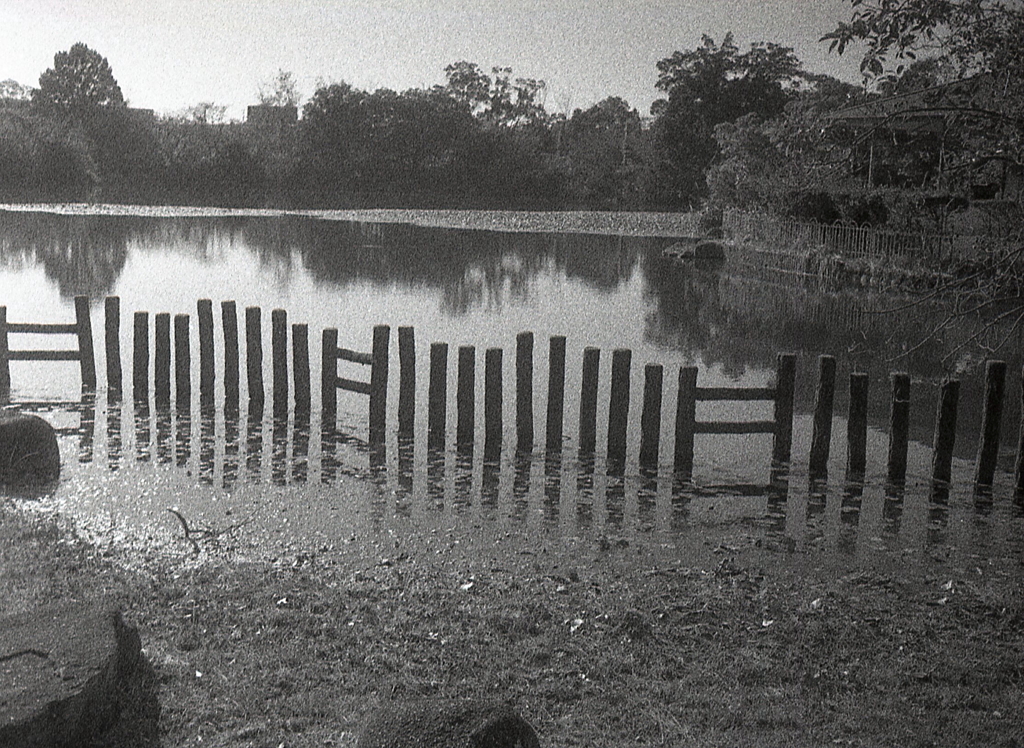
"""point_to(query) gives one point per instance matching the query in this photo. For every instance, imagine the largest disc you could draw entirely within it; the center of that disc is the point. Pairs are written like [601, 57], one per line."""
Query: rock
[28, 450]
[444, 723]
[61, 674]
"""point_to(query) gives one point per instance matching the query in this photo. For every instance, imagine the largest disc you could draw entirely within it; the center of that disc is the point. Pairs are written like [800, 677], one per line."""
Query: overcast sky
[168, 54]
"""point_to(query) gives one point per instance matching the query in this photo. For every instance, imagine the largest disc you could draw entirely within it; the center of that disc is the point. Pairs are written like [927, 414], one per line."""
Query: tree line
[741, 127]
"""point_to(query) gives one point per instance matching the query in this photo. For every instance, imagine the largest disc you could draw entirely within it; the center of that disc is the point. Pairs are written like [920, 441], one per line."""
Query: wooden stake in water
[493, 402]
[112, 330]
[857, 426]
[5, 366]
[300, 365]
[899, 428]
[465, 396]
[588, 400]
[988, 447]
[556, 393]
[140, 357]
[945, 431]
[85, 347]
[182, 363]
[229, 321]
[686, 417]
[524, 391]
[207, 375]
[785, 382]
[1018, 468]
[618, 404]
[329, 377]
[379, 383]
[279, 355]
[821, 434]
[254, 355]
[437, 396]
[650, 417]
[406, 381]
[162, 358]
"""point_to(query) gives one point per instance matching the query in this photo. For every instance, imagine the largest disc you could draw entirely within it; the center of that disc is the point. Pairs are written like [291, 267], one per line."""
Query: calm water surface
[278, 487]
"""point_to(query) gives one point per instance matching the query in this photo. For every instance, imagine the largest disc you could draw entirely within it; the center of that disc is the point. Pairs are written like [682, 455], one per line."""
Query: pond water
[245, 481]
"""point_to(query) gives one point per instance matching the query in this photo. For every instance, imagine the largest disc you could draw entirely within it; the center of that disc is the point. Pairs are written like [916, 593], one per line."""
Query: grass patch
[296, 652]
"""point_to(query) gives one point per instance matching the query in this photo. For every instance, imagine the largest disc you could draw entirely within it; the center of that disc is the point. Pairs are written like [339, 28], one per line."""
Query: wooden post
[279, 356]
[556, 392]
[945, 431]
[618, 404]
[821, 434]
[465, 396]
[379, 383]
[162, 358]
[524, 391]
[5, 366]
[300, 365]
[112, 330]
[437, 395]
[182, 363]
[899, 428]
[140, 357]
[207, 375]
[329, 376]
[1018, 468]
[686, 417]
[406, 381]
[988, 447]
[588, 400]
[254, 355]
[493, 401]
[785, 381]
[84, 324]
[229, 321]
[650, 417]
[857, 425]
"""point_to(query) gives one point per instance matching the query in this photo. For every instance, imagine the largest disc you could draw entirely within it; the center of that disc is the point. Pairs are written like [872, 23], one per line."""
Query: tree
[281, 91]
[707, 86]
[498, 99]
[12, 91]
[80, 80]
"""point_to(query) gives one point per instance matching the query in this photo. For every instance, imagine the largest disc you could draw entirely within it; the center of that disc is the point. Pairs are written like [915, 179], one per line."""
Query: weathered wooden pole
[857, 425]
[785, 381]
[83, 323]
[437, 396]
[229, 321]
[140, 356]
[686, 417]
[945, 431]
[5, 366]
[379, 383]
[465, 396]
[279, 356]
[556, 393]
[588, 400]
[493, 402]
[112, 330]
[1018, 468]
[207, 369]
[329, 377]
[618, 404]
[650, 417]
[524, 391]
[254, 355]
[162, 358]
[406, 381]
[988, 447]
[899, 428]
[300, 366]
[821, 434]
[182, 363]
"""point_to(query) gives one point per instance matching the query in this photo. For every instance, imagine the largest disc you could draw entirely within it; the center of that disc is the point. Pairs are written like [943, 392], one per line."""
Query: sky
[170, 54]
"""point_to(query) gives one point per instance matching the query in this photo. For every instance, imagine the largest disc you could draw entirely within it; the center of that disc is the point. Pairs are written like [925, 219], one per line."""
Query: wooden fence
[686, 426]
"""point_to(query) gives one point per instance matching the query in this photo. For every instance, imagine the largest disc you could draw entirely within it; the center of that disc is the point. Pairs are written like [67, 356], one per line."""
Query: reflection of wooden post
[465, 403]
[162, 358]
[857, 425]
[650, 417]
[279, 356]
[988, 447]
[785, 381]
[945, 431]
[493, 400]
[329, 377]
[524, 391]
[379, 383]
[207, 376]
[618, 404]
[182, 363]
[556, 392]
[229, 321]
[406, 381]
[588, 400]
[5, 366]
[686, 416]
[821, 434]
[899, 428]
[300, 364]
[112, 330]
[254, 354]
[84, 325]
[437, 395]
[140, 357]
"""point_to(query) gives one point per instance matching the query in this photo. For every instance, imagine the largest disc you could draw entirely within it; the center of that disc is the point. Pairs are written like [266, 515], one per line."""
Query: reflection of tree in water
[83, 255]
